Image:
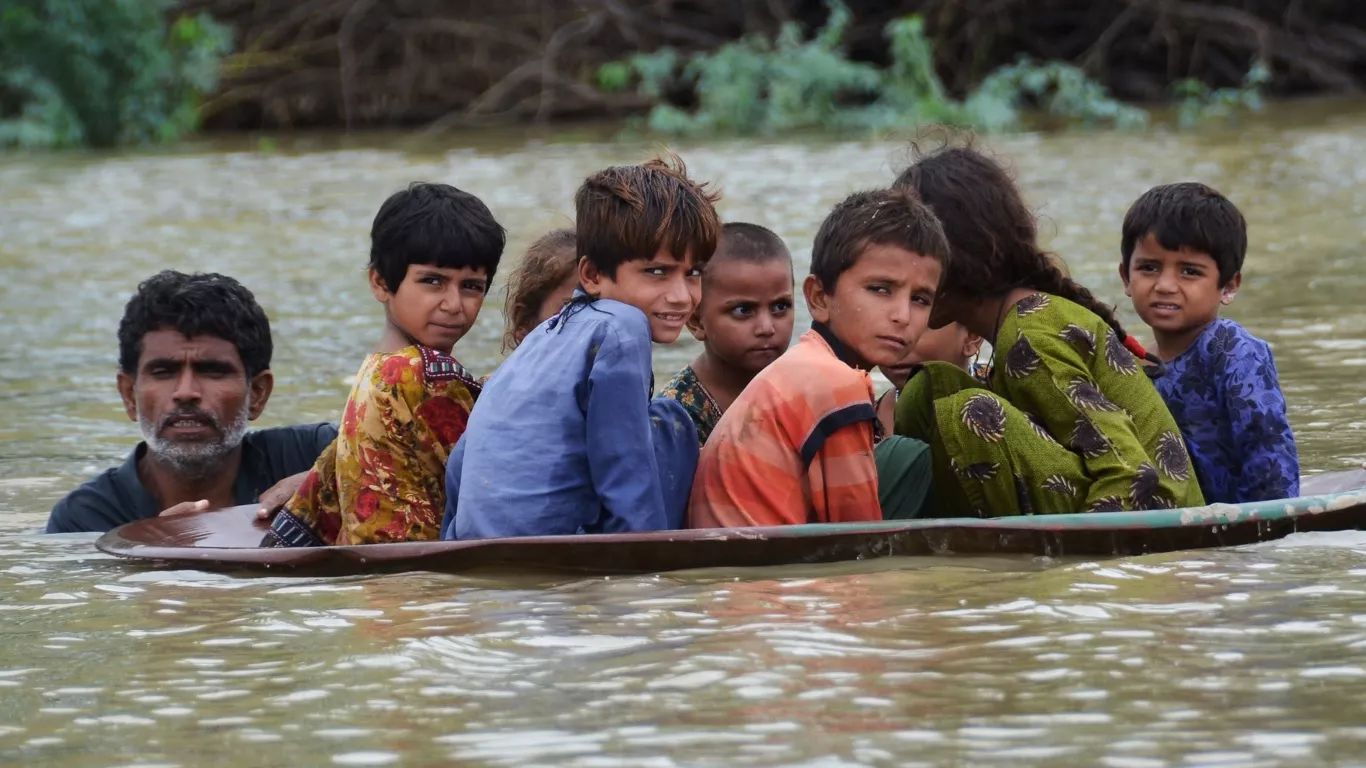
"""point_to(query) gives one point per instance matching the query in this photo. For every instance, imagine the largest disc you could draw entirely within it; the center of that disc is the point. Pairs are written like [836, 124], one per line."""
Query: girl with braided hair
[1068, 421]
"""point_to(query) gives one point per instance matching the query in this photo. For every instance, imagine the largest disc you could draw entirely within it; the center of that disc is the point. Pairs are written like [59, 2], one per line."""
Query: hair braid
[1049, 279]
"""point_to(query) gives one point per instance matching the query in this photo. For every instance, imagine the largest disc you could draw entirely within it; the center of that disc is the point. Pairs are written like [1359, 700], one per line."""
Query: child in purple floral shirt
[1182, 255]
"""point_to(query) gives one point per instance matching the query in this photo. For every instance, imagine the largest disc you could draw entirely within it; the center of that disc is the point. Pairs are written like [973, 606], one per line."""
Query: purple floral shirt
[1225, 395]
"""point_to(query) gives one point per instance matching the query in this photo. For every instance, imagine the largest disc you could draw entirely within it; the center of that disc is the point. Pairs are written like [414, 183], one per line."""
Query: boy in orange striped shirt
[797, 444]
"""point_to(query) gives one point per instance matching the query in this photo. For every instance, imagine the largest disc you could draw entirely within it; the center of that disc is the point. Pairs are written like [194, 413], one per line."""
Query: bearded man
[194, 368]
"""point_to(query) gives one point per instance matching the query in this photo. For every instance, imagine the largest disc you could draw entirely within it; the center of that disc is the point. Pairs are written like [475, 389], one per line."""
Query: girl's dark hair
[630, 212]
[201, 304]
[547, 263]
[1188, 215]
[992, 233]
[433, 224]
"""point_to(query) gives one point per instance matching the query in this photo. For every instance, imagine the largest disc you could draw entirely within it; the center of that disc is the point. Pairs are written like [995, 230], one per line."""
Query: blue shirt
[562, 440]
[1226, 397]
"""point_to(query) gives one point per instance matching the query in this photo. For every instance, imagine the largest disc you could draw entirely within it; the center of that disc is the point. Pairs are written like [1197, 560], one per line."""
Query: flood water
[1244, 656]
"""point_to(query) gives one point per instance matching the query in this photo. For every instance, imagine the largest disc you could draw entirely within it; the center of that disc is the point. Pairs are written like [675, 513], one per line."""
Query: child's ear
[695, 327]
[1230, 288]
[817, 300]
[1124, 275]
[378, 289]
[972, 345]
[590, 277]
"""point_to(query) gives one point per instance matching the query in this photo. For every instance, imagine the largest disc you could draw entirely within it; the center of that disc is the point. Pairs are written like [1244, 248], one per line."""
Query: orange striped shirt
[795, 447]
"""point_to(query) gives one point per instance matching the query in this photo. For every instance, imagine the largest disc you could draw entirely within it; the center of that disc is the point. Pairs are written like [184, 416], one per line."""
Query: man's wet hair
[631, 212]
[750, 243]
[434, 224]
[876, 217]
[1188, 215]
[199, 304]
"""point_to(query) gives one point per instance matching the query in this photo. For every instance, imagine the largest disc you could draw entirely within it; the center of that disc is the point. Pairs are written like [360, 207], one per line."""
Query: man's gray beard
[196, 459]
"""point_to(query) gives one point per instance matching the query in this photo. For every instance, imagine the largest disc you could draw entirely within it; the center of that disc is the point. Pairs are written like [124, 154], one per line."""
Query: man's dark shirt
[117, 496]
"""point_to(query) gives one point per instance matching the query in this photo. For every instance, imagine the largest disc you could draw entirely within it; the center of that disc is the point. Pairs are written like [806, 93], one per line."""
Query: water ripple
[1250, 656]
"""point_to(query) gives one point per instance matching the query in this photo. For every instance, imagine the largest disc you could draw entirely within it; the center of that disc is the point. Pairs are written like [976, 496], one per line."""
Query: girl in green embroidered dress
[1067, 421]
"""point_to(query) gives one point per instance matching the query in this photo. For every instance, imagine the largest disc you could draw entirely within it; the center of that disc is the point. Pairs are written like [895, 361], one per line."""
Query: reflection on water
[1246, 656]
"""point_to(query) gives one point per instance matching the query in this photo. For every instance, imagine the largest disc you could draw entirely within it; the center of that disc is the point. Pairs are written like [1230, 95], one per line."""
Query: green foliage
[655, 70]
[753, 85]
[103, 72]
[614, 76]
[912, 71]
[911, 91]
[758, 86]
[1058, 89]
[810, 83]
[1197, 102]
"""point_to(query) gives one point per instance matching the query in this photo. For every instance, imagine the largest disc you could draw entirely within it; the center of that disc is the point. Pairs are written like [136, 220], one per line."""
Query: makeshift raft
[228, 539]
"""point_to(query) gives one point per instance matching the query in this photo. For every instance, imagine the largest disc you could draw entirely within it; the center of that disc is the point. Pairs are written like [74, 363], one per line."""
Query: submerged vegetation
[759, 85]
[103, 72]
[1197, 102]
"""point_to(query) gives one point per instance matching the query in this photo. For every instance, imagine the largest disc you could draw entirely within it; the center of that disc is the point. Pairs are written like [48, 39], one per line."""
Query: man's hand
[275, 496]
[185, 508]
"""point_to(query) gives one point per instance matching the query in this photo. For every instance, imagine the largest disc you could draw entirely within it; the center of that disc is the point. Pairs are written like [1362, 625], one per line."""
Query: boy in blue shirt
[1182, 254]
[566, 438]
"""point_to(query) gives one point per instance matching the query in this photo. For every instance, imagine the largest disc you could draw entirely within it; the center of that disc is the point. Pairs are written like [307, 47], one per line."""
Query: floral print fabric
[696, 400]
[1067, 423]
[382, 479]
[1226, 397]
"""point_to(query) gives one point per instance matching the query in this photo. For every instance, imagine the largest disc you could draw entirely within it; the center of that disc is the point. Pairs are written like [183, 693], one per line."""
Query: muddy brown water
[1244, 656]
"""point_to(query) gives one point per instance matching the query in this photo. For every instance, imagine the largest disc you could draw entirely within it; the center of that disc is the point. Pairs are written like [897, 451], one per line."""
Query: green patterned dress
[1067, 423]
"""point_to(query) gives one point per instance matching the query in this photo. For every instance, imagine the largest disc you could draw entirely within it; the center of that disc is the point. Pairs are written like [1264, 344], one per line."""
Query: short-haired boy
[744, 322]
[433, 252]
[566, 438]
[797, 444]
[1182, 255]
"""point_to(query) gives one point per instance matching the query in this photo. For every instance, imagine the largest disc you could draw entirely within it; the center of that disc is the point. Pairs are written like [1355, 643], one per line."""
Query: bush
[752, 85]
[1197, 102]
[760, 86]
[103, 72]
